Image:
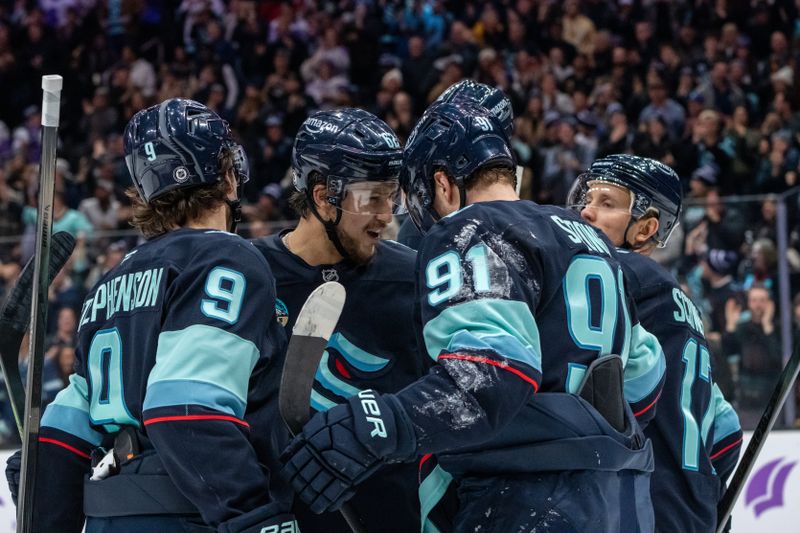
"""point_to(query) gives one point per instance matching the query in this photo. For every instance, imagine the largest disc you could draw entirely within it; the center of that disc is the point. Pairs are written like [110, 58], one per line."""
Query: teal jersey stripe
[430, 492]
[726, 421]
[319, 402]
[504, 326]
[69, 411]
[179, 392]
[203, 353]
[326, 378]
[645, 366]
[71, 420]
[360, 359]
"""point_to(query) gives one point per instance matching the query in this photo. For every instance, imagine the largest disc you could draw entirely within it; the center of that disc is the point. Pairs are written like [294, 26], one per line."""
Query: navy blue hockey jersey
[373, 347]
[518, 298]
[696, 434]
[168, 342]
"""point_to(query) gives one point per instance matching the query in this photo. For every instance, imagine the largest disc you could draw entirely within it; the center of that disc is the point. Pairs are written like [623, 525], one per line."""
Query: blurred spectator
[754, 342]
[102, 209]
[111, 257]
[268, 207]
[663, 107]
[762, 266]
[64, 335]
[777, 169]
[619, 138]
[744, 142]
[655, 142]
[563, 162]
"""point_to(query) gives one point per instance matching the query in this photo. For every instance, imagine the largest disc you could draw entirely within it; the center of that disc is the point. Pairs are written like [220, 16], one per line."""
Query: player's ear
[442, 185]
[645, 229]
[319, 195]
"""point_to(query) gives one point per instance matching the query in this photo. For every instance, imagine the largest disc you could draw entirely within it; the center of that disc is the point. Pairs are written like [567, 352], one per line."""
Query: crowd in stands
[710, 87]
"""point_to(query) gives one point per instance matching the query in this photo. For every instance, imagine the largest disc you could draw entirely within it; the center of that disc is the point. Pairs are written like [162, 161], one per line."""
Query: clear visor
[373, 198]
[598, 194]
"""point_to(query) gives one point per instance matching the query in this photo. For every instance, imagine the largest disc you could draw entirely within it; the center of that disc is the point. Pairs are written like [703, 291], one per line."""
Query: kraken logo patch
[281, 312]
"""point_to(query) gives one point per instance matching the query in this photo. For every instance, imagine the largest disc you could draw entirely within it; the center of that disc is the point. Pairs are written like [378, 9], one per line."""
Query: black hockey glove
[270, 518]
[13, 468]
[339, 448]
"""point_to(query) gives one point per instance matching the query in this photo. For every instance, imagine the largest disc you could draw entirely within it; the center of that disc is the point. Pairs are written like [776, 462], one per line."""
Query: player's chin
[366, 250]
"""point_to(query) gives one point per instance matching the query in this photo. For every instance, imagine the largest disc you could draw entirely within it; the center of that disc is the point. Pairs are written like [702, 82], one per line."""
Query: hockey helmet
[458, 138]
[490, 98]
[358, 155]
[178, 144]
[652, 184]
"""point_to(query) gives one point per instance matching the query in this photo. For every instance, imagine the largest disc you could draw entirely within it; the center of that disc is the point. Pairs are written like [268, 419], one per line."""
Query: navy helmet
[457, 138]
[653, 185]
[491, 98]
[178, 144]
[345, 146]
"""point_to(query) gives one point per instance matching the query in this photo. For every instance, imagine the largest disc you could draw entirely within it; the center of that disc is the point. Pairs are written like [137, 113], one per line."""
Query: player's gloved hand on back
[341, 447]
[270, 517]
[13, 469]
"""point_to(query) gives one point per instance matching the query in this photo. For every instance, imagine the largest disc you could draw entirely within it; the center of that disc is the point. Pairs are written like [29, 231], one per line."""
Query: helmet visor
[372, 198]
[590, 192]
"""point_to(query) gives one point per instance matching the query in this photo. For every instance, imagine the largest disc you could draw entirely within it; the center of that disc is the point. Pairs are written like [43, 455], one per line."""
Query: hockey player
[515, 298]
[345, 166]
[168, 342]
[696, 435]
[490, 98]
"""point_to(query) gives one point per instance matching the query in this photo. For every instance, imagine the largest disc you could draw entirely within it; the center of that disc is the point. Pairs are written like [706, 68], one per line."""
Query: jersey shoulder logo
[281, 312]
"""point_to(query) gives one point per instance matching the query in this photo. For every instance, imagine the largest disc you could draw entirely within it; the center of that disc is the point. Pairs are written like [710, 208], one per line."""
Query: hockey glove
[270, 518]
[13, 468]
[339, 448]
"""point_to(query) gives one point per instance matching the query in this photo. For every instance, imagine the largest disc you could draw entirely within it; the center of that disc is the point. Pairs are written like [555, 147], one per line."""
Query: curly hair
[176, 208]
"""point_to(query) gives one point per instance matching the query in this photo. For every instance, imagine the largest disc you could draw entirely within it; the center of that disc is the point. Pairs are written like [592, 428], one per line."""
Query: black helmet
[490, 98]
[652, 183]
[178, 144]
[458, 138]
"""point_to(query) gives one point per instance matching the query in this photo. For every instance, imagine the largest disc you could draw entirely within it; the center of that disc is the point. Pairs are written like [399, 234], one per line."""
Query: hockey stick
[312, 329]
[15, 318]
[774, 405]
[51, 104]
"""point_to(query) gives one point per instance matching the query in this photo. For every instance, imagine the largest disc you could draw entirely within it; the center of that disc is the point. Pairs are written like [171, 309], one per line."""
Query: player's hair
[176, 208]
[486, 176]
[299, 200]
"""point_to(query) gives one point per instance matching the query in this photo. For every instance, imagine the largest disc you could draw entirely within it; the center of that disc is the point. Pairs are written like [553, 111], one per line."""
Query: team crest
[281, 312]
[180, 174]
[330, 274]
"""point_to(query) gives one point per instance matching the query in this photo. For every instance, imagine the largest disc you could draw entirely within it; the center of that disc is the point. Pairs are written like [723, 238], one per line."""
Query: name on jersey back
[134, 290]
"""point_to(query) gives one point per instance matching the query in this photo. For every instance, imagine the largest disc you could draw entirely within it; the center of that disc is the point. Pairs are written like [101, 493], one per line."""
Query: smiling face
[366, 211]
[608, 208]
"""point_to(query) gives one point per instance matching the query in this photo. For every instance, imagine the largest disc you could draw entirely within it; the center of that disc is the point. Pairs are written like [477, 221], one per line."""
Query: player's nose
[588, 213]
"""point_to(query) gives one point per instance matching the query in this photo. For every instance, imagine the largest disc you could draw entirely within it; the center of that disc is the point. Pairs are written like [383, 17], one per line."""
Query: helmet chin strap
[330, 228]
[235, 207]
[234, 215]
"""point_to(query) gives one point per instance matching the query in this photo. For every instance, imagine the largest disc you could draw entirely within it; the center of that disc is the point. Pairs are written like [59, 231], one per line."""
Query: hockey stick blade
[312, 329]
[760, 434]
[15, 318]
